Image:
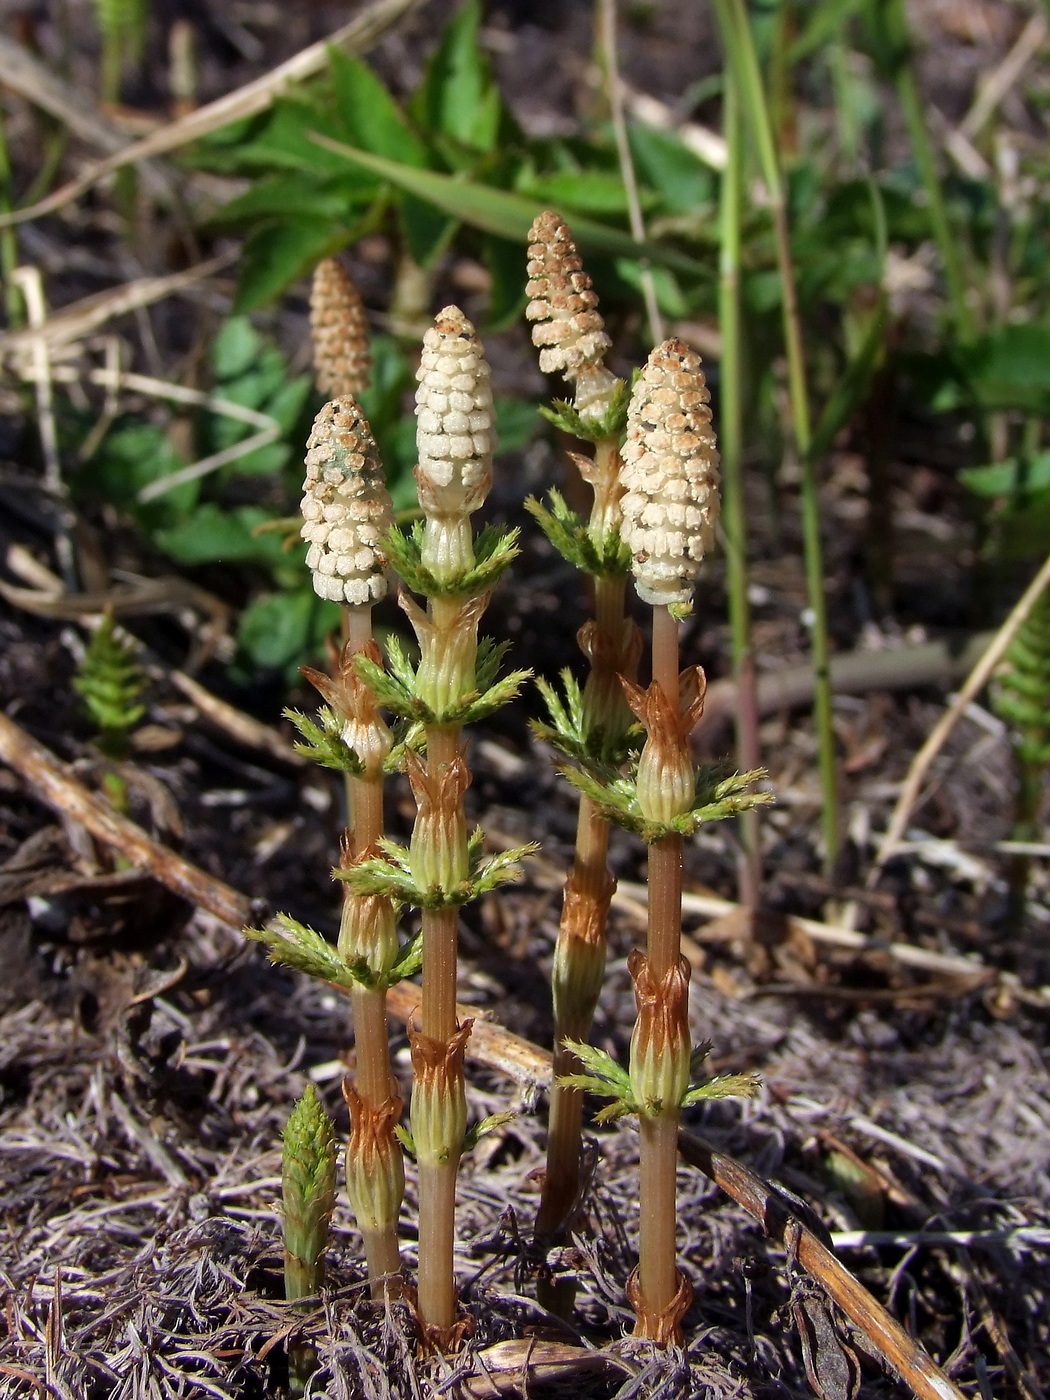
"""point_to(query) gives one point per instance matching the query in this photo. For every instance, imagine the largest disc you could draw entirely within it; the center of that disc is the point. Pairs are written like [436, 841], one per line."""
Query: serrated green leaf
[278, 252]
[367, 112]
[457, 97]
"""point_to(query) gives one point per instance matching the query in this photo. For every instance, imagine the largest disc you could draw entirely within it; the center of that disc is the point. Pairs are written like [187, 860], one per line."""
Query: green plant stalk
[608, 43]
[740, 51]
[730, 436]
[8, 244]
[918, 134]
[658, 1136]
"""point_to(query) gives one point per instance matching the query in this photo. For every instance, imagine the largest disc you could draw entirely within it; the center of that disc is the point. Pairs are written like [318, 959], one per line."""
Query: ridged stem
[657, 1253]
[579, 957]
[657, 1222]
[373, 1079]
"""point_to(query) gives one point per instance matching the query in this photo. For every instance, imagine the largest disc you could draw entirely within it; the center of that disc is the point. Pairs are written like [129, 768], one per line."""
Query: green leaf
[516, 423]
[213, 535]
[684, 183]
[503, 213]
[282, 630]
[1009, 369]
[235, 349]
[723, 1086]
[427, 230]
[370, 117]
[1014, 477]
[409, 960]
[669, 295]
[476, 1131]
[322, 740]
[274, 196]
[284, 141]
[278, 253]
[583, 191]
[507, 290]
[852, 388]
[132, 455]
[457, 97]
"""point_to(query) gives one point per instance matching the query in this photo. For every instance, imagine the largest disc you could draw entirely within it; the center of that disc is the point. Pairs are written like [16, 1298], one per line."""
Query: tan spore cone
[670, 476]
[339, 328]
[567, 329]
[346, 507]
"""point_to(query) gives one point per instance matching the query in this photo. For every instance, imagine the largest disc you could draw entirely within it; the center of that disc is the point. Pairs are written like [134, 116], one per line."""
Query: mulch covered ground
[149, 1057]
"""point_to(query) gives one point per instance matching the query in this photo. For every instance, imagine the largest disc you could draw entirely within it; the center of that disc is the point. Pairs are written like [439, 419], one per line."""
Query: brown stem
[373, 1080]
[383, 1262]
[664, 945]
[657, 1262]
[437, 1243]
[665, 652]
[437, 1182]
[657, 1218]
[582, 926]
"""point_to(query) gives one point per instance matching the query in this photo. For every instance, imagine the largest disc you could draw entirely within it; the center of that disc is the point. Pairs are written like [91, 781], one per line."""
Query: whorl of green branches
[111, 683]
[1022, 697]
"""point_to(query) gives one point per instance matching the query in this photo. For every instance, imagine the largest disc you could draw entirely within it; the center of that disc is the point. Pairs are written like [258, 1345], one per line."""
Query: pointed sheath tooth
[346, 507]
[339, 327]
[670, 476]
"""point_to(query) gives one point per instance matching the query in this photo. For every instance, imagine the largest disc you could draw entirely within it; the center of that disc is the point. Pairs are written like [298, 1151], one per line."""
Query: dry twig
[978, 677]
[253, 97]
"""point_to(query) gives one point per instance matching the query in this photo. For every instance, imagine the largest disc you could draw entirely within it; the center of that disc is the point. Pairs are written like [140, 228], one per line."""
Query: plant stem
[437, 1244]
[437, 1180]
[730, 435]
[579, 956]
[740, 51]
[657, 1254]
[657, 1220]
[911, 105]
[373, 1080]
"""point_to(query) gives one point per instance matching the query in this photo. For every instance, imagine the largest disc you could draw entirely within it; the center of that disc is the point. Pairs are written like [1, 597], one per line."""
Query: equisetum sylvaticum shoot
[569, 333]
[669, 506]
[453, 684]
[308, 1199]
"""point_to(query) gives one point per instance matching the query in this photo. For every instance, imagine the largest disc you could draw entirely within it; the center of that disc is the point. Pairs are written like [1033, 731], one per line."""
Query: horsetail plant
[569, 332]
[308, 1198]
[670, 504]
[1022, 699]
[346, 513]
[453, 684]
